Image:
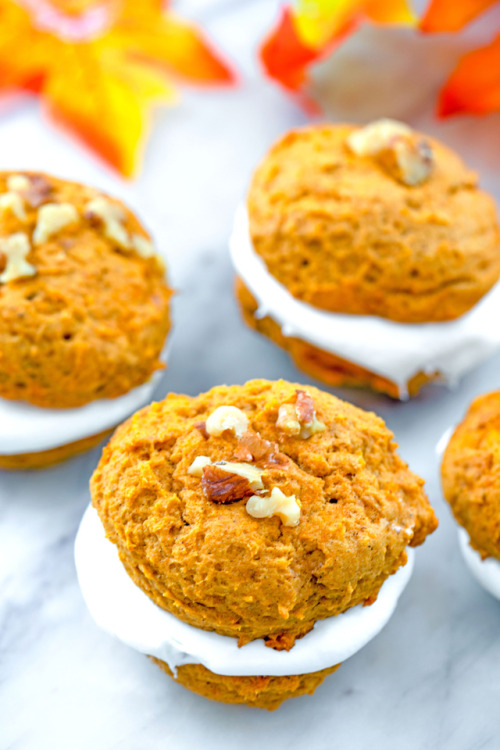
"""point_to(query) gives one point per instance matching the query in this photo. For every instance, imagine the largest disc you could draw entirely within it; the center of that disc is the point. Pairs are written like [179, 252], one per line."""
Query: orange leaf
[25, 70]
[452, 15]
[171, 43]
[474, 86]
[100, 65]
[105, 99]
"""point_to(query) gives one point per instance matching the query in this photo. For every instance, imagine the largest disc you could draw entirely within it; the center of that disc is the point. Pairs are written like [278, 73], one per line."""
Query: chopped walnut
[227, 418]
[299, 420]
[15, 249]
[405, 155]
[221, 486]
[286, 507]
[199, 463]
[287, 420]
[253, 447]
[14, 203]
[112, 216]
[38, 192]
[143, 246]
[410, 160]
[18, 183]
[52, 217]
[251, 473]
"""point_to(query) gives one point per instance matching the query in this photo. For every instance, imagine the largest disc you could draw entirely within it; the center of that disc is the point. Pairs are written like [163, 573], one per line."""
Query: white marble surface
[431, 679]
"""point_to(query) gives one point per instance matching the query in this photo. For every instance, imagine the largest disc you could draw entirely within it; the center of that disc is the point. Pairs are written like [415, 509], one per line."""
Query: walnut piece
[14, 203]
[52, 217]
[400, 151]
[287, 420]
[299, 420]
[227, 418]
[410, 160]
[15, 249]
[253, 447]
[112, 217]
[223, 487]
[38, 191]
[251, 473]
[199, 463]
[18, 183]
[143, 246]
[286, 507]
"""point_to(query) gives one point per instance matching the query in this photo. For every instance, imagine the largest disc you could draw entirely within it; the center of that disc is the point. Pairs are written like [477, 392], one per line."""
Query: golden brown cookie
[256, 510]
[84, 305]
[347, 232]
[471, 474]
[257, 692]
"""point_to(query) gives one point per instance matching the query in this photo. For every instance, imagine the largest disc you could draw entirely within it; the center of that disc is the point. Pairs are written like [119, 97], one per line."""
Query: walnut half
[299, 420]
[286, 507]
[404, 154]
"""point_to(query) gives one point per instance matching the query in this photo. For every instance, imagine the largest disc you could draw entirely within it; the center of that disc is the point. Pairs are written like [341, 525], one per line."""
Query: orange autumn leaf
[452, 15]
[99, 66]
[474, 86]
[308, 31]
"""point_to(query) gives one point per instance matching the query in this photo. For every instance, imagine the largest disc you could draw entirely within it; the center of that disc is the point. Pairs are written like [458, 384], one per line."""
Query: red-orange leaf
[452, 15]
[474, 86]
[307, 32]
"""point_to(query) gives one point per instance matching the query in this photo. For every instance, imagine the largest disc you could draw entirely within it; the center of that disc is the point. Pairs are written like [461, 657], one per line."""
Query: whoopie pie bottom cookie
[256, 692]
[44, 459]
[322, 365]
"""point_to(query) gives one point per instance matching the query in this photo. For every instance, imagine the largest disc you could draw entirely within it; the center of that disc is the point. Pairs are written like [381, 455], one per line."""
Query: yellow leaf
[100, 65]
[104, 99]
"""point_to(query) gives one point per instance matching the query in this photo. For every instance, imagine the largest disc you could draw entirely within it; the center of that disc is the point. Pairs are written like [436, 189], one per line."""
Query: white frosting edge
[25, 428]
[486, 572]
[396, 351]
[124, 611]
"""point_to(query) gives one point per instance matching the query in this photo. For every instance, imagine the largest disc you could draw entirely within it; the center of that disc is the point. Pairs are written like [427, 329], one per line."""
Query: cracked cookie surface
[341, 233]
[219, 568]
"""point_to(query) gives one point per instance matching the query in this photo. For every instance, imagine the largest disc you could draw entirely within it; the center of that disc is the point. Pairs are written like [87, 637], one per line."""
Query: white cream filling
[396, 351]
[486, 572]
[25, 428]
[123, 610]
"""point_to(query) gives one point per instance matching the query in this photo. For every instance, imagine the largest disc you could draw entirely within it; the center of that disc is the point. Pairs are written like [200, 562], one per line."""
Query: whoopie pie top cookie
[378, 220]
[255, 510]
[84, 305]
[471, 474]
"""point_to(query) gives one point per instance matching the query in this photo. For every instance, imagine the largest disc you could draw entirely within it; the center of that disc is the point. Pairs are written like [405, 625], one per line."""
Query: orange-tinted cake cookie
[255, 511]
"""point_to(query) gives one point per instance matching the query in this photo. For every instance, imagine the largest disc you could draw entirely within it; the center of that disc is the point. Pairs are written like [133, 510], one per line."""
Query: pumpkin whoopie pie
[471, 484]
[255, 522]
[84, 314]
[369, 254]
